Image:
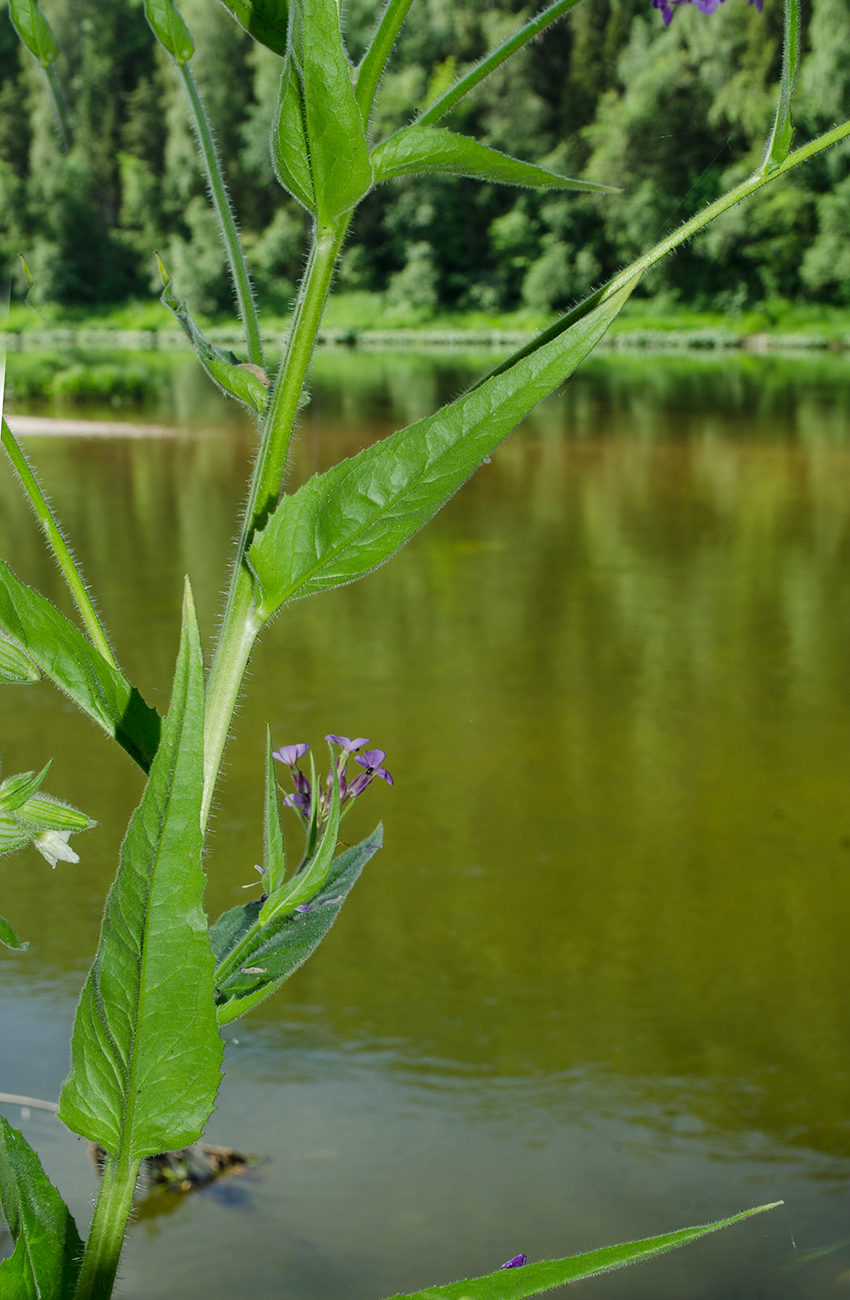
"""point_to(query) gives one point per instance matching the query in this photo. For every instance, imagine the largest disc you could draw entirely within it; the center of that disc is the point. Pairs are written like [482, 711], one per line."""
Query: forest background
[672, 115]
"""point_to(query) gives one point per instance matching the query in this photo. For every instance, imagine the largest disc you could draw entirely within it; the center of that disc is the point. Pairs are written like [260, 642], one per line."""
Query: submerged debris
[186, 1169]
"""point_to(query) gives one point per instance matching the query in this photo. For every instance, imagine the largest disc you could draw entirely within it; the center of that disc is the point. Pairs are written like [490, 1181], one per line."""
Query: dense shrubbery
[609, 93]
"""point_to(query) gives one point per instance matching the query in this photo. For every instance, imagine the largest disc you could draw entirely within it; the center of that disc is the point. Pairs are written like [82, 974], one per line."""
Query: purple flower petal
[303, 907]
[290, 754]
[516, 1262]
[350, 745]
[297, 801]
[371, 758]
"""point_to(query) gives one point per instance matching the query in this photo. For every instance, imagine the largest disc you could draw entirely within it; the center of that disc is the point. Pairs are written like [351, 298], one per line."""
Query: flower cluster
[370, 760]
[704, 6]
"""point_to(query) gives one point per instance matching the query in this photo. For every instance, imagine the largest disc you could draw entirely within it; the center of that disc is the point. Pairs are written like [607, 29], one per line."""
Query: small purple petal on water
[303, 907]
[350, 745]
[516, 1262]
[290, 754]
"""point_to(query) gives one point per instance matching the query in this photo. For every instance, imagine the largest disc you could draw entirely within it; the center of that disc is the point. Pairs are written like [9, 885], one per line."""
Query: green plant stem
[240, 624]
[374, 60]
[106, 1237]
[226, 220]
[58, 545]
[58, 101]
[492, 61]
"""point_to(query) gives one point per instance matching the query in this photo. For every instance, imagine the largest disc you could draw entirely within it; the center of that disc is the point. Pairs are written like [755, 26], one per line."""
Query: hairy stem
[492, 61]
[241, 625]
[58, 545]
[226, 220]
[106, 1237]
[375, 59]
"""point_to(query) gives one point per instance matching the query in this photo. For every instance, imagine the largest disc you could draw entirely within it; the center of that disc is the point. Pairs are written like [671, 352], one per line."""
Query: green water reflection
[612, 684]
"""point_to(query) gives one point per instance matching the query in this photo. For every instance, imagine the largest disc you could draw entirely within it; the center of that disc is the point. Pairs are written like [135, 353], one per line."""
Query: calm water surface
[596, 985]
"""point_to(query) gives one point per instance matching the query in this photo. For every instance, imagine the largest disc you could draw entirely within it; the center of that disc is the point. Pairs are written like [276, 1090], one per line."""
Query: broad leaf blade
[34, 30]
[342, 524]
[531, 1279]
[285, 945]
[36, 629]
[290, 154]
[266, 20]
[336, 137]
[224, 369]
[418, 149]
[9, 937]
[146, 1053]
[170, 30]
[46, 1259]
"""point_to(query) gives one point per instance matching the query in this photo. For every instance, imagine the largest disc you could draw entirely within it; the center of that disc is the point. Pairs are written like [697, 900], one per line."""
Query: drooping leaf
[34, 30]
[342, 524]
[146, 1052]
[224, 368]
[170, 30]
[336, 136]
[36, 629]
[15, 667]
[531, 1279]
[46, 1259]
[268, 956]
[434, 149]
[266, 20]
[9, 937]
[290, 154]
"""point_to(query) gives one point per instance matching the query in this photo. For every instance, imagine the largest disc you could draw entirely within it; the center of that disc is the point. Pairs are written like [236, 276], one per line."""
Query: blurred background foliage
[672, 115]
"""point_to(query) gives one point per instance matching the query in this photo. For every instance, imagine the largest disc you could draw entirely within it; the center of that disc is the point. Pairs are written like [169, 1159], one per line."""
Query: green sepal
[46, 1260]
[16, 790]
[274, 850]
[62, 653]
[417, 149]
[342, 524]
[224, 368]
[9, 937]
[266, 20]
[269, 955]
[15, 666]
[170, 29]
[146, 1052]
[290, 155]
[531, 1279]
[48, 814]
[34, 30]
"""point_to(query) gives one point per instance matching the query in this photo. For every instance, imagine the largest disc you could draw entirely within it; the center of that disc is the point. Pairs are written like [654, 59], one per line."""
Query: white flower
[53, 845]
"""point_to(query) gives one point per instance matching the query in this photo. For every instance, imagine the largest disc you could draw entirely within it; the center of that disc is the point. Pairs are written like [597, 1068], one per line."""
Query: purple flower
[303, 907]
[516, 1262]
[350, 746]
[290, 754]
[372, 760]
[704, 6]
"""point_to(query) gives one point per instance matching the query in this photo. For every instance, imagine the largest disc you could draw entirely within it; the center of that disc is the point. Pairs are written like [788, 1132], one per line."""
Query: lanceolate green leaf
[34, 30]
[223, 368]
[146, 1053]
[37, 629]
[434, 149]
[269, 955]
[170, 29]
[15, 666]
[266, 20]
[46, 1259]
[342, 524]
[9, 937]
[336, 137]
[531, 1279]
[290, 155]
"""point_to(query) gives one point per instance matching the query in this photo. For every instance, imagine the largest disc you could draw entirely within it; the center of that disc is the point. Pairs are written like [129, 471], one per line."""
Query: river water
[596, 984]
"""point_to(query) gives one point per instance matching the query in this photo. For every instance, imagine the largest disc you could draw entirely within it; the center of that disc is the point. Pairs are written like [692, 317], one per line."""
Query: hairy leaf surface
[290, 154]
[434, 149]
[280, 948]
[15, 666]
[37, 629]
[342, 524]
[146, 1053]
[46, 1259]
[531, 1279]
